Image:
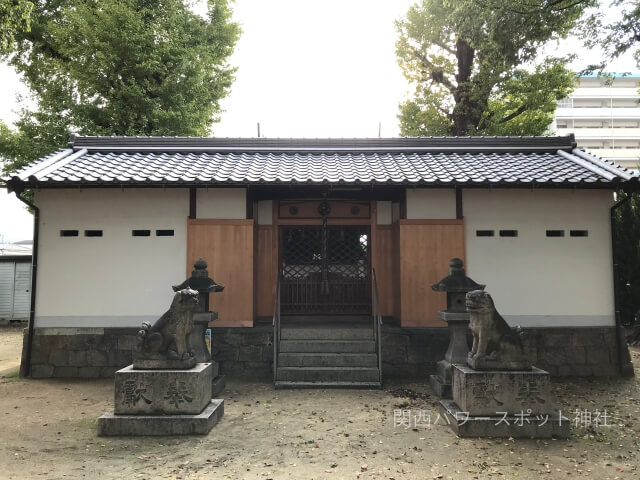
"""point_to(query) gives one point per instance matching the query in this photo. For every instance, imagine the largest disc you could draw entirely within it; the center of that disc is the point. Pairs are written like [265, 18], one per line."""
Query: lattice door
[325, 270]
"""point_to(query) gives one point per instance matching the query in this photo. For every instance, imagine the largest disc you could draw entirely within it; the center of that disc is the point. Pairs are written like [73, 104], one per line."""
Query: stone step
[333, 332]
[327, 374]
[327, 346]
[367, 385]
[327, 360]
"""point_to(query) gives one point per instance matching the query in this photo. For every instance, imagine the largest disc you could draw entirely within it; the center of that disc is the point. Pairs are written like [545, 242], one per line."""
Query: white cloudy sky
[306, 68]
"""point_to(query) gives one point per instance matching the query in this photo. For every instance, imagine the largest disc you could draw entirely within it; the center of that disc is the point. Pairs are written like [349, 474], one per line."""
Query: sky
[306, 68]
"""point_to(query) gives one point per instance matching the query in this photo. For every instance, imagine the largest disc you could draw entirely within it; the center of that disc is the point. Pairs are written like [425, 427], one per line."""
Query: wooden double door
[325, 270]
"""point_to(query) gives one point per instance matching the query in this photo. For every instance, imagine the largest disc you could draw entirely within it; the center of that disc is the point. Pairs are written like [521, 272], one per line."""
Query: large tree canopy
[616, 36]
[14, 18]
[119, 67]
[466, 59]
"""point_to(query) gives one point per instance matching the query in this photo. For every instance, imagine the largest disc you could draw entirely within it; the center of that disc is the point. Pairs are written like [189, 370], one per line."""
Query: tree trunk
[463, 107]
[466, 112]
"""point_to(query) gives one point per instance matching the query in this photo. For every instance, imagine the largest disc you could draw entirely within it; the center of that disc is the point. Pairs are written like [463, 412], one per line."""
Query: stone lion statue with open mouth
[496, 346]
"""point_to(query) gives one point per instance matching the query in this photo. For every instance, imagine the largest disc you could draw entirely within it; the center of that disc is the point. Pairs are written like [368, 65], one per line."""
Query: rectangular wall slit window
[140, 233]
[93, 233]
[579, 233]
[164, 233]
[68, 233]
[555, 233]
[508, 233]
[484, 233]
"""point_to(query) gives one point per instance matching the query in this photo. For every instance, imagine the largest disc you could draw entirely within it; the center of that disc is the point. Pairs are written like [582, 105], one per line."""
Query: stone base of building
[514, 426]
[244, 352]
[248, 352]
[79, 352]
[575, 352]
[111, 424]
[412, 352]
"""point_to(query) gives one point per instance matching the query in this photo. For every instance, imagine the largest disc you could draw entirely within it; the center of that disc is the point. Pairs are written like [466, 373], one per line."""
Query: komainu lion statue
[168, 337]
[495, 345]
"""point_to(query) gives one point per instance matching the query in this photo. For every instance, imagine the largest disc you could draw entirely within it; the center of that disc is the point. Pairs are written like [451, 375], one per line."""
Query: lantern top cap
[456, 281]
[199, 279]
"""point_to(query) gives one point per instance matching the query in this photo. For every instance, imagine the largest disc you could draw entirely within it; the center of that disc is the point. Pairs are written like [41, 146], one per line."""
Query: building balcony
[597, 112]
[605, 92]
[627, 134]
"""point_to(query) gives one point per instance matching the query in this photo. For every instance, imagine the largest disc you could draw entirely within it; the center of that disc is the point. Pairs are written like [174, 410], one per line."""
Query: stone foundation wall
[568, 352]
[412, 352]
[563, 352]
[248, 352]
[244, 352]
[79, 352]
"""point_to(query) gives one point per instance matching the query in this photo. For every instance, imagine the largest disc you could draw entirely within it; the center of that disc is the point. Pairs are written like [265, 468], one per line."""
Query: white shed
[15, 288]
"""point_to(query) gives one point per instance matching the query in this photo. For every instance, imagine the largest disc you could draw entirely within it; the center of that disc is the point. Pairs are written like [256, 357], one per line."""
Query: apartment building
[604, 116]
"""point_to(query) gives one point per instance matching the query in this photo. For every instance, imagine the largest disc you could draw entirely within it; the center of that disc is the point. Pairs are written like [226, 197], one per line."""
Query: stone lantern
[200, 281]
[456, 285]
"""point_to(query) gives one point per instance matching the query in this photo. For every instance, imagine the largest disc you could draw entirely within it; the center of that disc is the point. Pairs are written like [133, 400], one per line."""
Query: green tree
[618, 36]
[467, 59]
[119, 67]
[627, 247]
[14, 18]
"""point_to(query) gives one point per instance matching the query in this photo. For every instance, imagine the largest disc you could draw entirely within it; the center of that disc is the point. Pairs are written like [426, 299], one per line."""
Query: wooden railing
[276, 331]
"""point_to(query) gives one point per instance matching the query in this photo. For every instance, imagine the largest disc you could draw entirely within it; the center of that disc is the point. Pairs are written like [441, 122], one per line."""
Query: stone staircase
[326, 353]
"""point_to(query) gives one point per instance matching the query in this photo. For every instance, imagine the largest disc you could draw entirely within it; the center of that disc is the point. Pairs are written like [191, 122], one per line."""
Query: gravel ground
[48, 430]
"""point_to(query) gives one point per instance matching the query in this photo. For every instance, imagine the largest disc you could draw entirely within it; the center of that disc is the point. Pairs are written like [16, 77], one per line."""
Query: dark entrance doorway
[325, 270]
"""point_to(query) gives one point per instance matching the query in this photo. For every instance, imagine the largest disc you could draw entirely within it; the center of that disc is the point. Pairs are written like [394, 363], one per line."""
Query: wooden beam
[432, 221]
[192, 202]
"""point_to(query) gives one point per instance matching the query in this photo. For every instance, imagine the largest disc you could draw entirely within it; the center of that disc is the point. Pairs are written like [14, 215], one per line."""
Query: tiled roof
[107, 161]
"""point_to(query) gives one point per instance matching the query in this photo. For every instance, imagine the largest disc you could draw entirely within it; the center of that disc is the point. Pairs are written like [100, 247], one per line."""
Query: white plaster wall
[116, 279]
[434, 203]
[383, 213]
[537, 280]
[265, 212]
[221, 203]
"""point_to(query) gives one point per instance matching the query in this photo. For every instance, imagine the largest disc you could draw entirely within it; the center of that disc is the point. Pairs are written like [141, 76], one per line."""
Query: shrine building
[327, 249]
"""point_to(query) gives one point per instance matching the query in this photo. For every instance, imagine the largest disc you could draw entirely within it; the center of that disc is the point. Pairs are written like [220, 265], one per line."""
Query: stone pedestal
[201, 322]
[112, 425]
[150, 392]
[503, 404]
[162, 402]
[219, 381]
[147, 363]
[458, 325]
[491, 364]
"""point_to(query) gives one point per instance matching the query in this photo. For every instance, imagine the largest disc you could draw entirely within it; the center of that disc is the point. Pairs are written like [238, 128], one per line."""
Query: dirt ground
[10, 347]
[48, 430]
